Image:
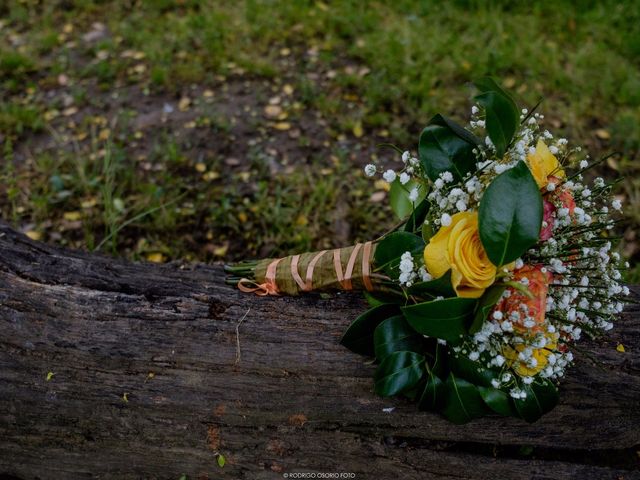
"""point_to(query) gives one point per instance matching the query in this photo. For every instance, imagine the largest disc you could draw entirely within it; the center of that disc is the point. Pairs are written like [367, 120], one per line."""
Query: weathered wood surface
[293, 400]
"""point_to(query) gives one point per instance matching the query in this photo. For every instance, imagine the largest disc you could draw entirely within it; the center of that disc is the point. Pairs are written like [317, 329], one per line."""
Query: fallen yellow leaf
[382, 185]
[34, 235]
[104, 134]
[72, 216]
[201, 167]
[603, 134]
[90, 203]
[287, 89]
[67, 112]
[509, 82]
[620, 348]
[156, 257]
[358, 131]
[282, 126]
[50, 115]
[242, 217]
[183, 104]
[272, 111]
[210, 176]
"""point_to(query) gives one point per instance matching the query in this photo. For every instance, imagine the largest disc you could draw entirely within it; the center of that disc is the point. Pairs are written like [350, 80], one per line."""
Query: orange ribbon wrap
[322, 272]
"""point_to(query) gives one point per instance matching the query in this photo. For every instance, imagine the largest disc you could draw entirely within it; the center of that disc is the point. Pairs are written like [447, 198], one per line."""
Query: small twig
[238, 336]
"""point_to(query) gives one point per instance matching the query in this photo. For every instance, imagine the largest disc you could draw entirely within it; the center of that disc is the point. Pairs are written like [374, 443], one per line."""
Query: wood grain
[291, 399]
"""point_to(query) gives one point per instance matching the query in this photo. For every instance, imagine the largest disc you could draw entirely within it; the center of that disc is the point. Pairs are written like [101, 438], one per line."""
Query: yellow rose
[458, 247]
[544, 164]
[540, 354]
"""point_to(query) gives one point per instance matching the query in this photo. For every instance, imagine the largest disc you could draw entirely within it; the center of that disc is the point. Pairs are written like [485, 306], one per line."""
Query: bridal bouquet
[502, 262]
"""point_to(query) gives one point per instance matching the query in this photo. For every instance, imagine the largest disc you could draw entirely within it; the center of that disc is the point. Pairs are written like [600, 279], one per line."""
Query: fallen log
[110, 369]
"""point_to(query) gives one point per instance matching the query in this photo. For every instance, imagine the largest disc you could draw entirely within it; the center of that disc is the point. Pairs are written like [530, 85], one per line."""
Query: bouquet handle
[347, 268]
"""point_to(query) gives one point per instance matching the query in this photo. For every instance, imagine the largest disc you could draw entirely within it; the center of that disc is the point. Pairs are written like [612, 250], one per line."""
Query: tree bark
[156, 369]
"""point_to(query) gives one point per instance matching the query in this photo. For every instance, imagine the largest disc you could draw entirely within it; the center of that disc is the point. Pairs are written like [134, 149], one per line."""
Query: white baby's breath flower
[404, 178]
[461, 206]
[424, 275]
[445, 219]
[389, 176]
[413, 194]
[617, 205]
[370, 170]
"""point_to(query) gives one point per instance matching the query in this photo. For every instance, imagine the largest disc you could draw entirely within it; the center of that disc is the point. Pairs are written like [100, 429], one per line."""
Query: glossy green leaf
[448, 319]
[462, 401]
[438, 287]
[390, 249]
[399, 197]
[502, 114]
[510, 215]
[489, 298]
[446, 147]
[416, 219]
[542, 396]
[432, 397]
[473, 371]
[498, 401]
[395, 335]
[398, 372]
[427, 232]
[377, 298]
[437, 359]
[359, 336]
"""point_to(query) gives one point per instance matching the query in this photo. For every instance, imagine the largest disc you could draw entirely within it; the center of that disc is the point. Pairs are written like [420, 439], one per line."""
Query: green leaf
[221, 460]
[390, 249]
[489, 298]
[446, 147]
[432, 397]
[448, 319]
[510, 215]
[397, 372]
[502, 114]
[438, 287]
[498, 401]
[542, 396]
[395, 335]
[378, 298]
[427, 232]
[438, 363]
[399, 197]
[489, 84]
[416, 220]
[462, 401]
[359, 336]
[473, 371]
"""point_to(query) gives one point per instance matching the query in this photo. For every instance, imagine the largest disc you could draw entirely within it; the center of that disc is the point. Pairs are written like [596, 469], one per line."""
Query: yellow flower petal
[435, 253]
[457, 247]
[543, 164]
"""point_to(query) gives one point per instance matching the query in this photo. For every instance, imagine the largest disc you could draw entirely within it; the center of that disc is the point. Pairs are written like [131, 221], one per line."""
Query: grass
[346, 75]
